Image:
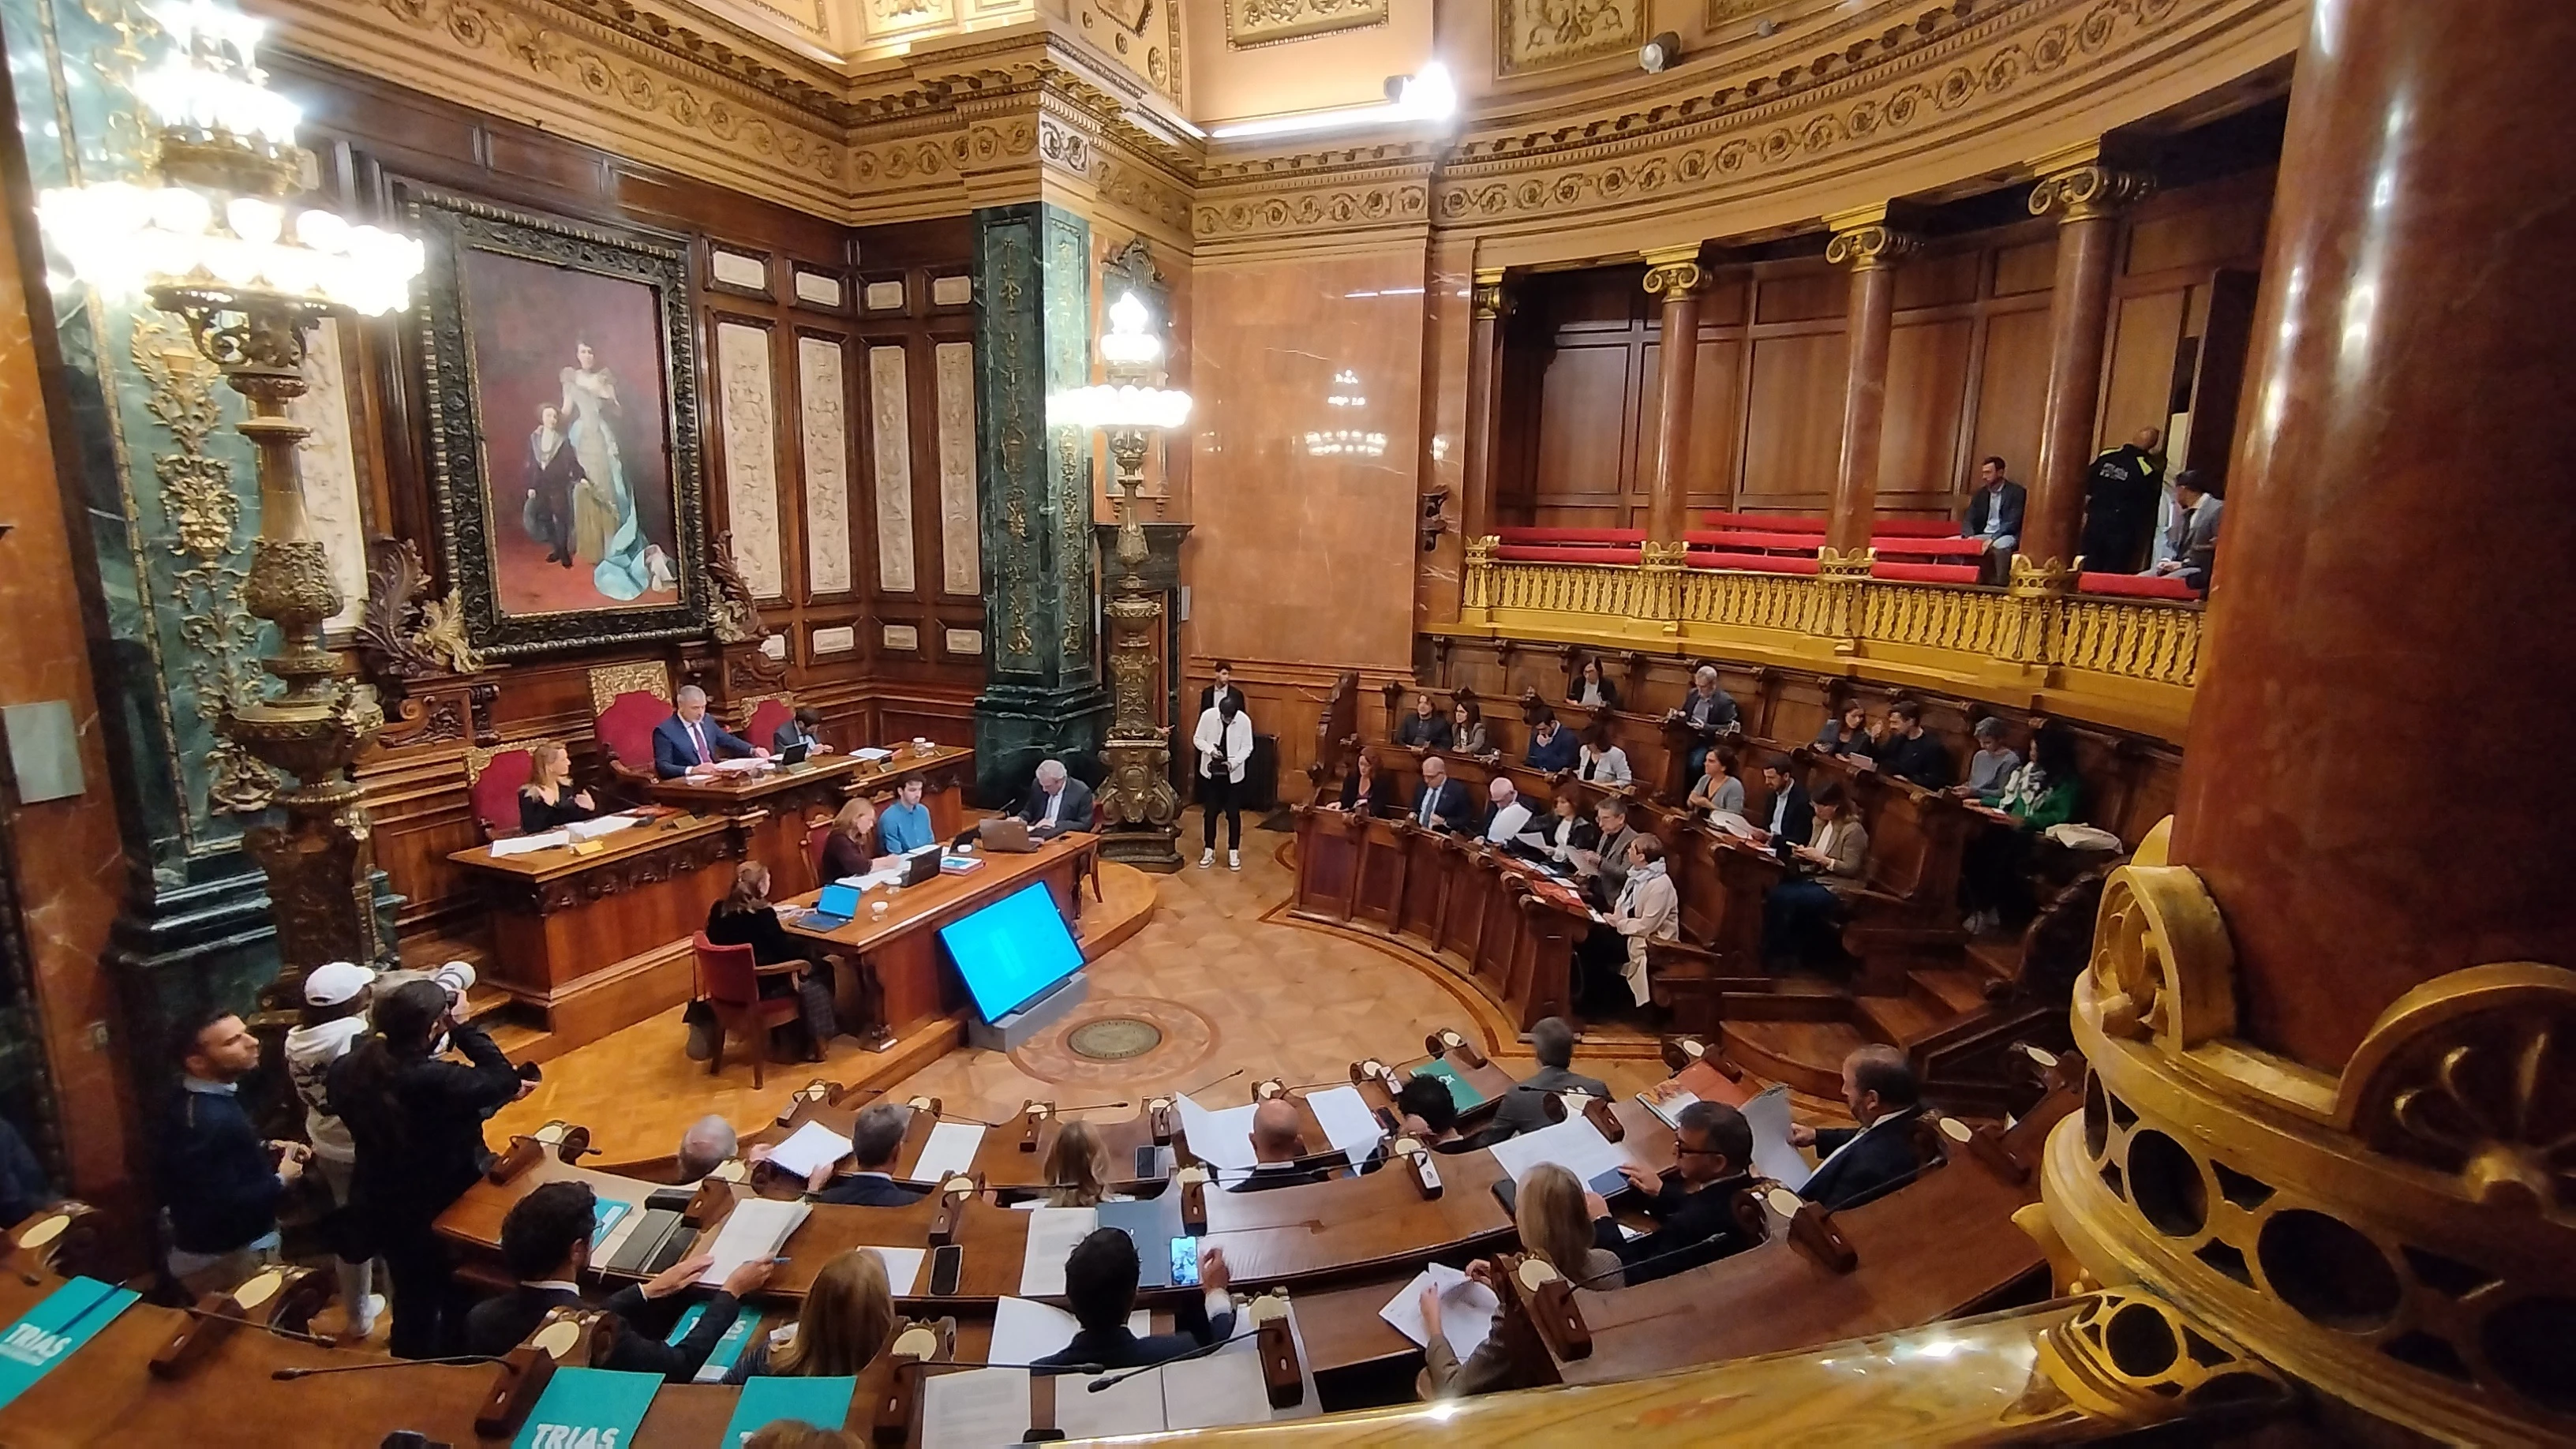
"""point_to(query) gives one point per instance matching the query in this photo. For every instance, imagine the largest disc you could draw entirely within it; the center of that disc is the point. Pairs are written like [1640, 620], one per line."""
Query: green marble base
[1017, 726]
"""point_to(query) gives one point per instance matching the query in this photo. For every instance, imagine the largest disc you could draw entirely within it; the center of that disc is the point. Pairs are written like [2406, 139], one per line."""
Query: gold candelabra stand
[1140, 811]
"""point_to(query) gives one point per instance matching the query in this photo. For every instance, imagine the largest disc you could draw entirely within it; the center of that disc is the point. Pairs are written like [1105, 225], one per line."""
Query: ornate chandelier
[1128, 352]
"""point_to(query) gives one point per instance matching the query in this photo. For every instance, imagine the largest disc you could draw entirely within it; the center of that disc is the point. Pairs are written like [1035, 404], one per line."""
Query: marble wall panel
[890, 415]
[1302, 547]
[328, 461]
[751, 455]
[961, 554]
[825, 431]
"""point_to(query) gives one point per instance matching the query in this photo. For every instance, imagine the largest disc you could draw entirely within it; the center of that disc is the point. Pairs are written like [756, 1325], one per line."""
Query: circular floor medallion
[1113, 1038]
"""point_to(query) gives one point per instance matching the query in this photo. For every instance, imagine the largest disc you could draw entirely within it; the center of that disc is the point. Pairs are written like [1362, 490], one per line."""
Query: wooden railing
[2124, 661]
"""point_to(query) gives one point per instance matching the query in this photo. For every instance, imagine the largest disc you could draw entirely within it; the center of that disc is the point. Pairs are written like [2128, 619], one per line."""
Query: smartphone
[946, 1264]
[1185, 1262]
[1149, 1162]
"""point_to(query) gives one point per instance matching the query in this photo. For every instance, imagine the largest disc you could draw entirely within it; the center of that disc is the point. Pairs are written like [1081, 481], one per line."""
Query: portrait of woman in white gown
[605, 533]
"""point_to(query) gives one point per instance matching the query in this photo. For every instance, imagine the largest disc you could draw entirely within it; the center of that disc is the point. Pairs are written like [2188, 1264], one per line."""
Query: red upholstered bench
[2136, 586]
[1525, 553]
[1572, 537]
[1947, 546]
[1757, 563]
[1923, 573]
[1742, 540]
[1723, 522]
[1913, 528]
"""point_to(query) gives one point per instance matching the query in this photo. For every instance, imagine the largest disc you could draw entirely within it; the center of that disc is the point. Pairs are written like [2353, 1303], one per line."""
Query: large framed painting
[563, 427]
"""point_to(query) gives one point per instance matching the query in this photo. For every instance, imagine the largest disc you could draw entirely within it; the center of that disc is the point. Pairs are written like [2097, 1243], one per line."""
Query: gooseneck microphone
[382, 1363]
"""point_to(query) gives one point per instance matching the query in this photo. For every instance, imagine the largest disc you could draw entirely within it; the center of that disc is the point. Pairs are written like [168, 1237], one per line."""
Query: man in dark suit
[1694, 1214]
[1793, 818]
[1100, 1287]
[2195, 530]
[1223, 689]
[1863, 1161]
[1279, 1152]
[1443, 803]
[689, 743]
[554, 466]
[875, 1138]
[545, 1243]
[1524, 1107]
[1552, 747]
[1994, 510]
[1057, 802]
[1913, 753]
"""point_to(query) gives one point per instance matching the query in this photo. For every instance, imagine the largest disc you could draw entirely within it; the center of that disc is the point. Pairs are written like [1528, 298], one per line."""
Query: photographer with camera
[416, 1120]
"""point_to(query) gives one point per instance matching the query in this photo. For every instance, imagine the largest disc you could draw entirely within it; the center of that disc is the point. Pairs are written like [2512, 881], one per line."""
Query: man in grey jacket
[1524, 1107]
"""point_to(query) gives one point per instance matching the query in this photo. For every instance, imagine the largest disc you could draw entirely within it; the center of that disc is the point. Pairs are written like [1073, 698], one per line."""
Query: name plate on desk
[586, 1408]
[70, 1316]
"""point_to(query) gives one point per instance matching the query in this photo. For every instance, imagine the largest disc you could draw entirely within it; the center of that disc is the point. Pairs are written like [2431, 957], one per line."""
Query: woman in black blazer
[548, 801]
[1591, 687]
[1363, 789]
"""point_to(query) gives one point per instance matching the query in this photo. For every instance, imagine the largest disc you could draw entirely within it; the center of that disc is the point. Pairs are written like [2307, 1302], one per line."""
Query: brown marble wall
[65, 856]
[1303, 544]
[1447, 335]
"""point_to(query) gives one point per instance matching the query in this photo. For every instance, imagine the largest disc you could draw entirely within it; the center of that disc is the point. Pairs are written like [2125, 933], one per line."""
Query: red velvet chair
[492, 779]
[762, 728]
[818, 833]
[729, 980]
[627, 701]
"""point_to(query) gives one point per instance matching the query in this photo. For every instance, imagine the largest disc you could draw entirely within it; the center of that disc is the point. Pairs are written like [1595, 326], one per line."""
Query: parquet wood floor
[1275, 998]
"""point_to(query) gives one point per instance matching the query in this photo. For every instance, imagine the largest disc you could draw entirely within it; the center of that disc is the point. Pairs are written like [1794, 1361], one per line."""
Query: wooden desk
[1506, 927]
[901, 950]
[773, 809]
[599, 942]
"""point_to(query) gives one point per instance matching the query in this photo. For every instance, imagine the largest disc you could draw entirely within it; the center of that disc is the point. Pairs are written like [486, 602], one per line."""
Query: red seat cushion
[626, 727]
[2136, 586]
[1923, 573]
[765, 721]
[1739, 540]
[1547, 536]
[729, 974]
[1760, 563]
[1718, 520]
[1946, 546]
[1511, 553]
[496, 792]
[1913, 528]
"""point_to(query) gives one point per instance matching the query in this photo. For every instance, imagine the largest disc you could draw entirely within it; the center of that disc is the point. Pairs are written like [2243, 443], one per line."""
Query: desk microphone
[1203, 1086]
[1203, 1350]
[193, 1311]
[1093, 1107]
[382, 1363]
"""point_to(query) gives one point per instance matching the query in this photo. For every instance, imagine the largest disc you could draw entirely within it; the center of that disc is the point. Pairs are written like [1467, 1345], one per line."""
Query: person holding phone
[1224, 743]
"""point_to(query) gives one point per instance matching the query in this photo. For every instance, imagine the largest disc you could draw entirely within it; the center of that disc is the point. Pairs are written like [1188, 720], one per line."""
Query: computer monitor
[1013, 950]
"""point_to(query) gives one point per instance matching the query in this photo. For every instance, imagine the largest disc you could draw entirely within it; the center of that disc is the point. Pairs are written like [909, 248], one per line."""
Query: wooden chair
[730, 978]
[818, 833]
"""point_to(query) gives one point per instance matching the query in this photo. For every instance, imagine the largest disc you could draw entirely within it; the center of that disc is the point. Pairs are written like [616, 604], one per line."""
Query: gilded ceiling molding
[1266, 203]
[1253, 23]
[1532, 35]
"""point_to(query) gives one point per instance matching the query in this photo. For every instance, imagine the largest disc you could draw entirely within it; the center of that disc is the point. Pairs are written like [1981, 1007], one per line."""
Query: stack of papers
[951, 1148]
[1467, 1310]
[1666, 1100]
[1348, 1123]
[747, 765]
[977, 1409]
[1220, 1139]
[870, 754]
[810, 1146]
[523, 844]
[756, 1228]
[903, 1268]
[1573, 1144]
[604, 825]
[1053, 1232]
[1768, 1115]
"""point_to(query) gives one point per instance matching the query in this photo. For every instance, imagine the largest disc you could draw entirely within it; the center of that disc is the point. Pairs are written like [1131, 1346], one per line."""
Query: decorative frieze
[890, 456]
[823, 428]
[1250, 23]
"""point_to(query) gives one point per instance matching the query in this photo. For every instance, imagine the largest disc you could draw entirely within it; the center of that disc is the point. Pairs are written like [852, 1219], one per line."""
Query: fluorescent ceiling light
[1426, 95]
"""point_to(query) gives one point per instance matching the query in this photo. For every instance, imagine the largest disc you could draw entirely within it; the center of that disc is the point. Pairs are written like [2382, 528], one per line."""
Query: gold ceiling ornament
[2398, 1235]
[1674, 272]
[1534, 35]
[1253, 23]
[1864, 241]
[2079, 184]
[645, 676]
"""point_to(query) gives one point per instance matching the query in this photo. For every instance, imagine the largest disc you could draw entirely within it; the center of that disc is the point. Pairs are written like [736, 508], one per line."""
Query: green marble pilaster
[165, 495]
[1043, 694]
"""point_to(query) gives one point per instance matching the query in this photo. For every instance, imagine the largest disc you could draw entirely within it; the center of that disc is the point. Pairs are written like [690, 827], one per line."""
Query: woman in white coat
[1224, 743]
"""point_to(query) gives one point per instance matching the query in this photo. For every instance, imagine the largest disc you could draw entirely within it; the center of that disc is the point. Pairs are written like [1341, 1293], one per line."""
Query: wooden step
[1997, 955]
[1952, 990]
[1896, 1020]
[1808, 1055]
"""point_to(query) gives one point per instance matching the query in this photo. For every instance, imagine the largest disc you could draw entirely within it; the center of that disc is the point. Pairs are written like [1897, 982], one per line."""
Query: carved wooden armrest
[782, 968]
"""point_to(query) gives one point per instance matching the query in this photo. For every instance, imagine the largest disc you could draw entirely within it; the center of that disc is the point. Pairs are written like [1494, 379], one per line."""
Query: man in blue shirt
[905, 824]
[219, 1181]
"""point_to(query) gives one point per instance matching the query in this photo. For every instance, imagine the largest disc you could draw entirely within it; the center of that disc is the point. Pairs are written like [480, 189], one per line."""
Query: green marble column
[166, 495]
[1043, 694]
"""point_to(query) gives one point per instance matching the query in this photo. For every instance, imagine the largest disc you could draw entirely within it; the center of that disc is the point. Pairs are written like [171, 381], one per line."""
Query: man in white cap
[334, 1020]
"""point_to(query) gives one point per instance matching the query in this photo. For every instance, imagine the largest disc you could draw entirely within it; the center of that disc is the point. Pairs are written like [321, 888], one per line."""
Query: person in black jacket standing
[545, 1243]
[417, 1123]
[220, 1182]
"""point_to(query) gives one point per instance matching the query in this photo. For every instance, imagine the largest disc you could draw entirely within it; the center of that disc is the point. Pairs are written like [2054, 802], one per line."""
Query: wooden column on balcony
[1865, 242]
[2364, 572]
[1676, 278]
[1484, 403]
[2087, 193]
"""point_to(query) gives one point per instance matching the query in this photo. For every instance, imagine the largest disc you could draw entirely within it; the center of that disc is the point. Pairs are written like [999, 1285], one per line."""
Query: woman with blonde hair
[845, 850]
[1555, 1223]
[847, 1318]
[549, 801]
[1078, 1169]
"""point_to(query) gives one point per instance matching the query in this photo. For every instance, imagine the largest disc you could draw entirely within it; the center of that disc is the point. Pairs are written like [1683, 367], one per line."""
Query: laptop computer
[921, 865]
[838, 906]
[1008, 834]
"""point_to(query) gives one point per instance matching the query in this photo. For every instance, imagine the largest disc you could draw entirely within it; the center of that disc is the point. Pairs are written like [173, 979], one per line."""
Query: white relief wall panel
[825, 430]
[890, 416]
[751, 455]
[884, 297]
[818, 289]
[329, 463]
[838, 639]
[735, 269]
[905, 638]
[961, 547]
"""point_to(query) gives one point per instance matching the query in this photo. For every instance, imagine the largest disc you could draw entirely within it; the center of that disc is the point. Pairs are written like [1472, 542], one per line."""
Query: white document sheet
[756, 1228]
[604, 825]
[1467, 1310]
[1024, 1332]
[903, 1267]
[870, 754]
[1348, 1123]
[951, 1148]
[1134, 1406]
[745, 765]
[1573, 1144]
[1053, 1232]
[1768, 1115]
[810, 1146]
[977, 1409]
[1226, 1387]
[526, 844]
[1221, 1139]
